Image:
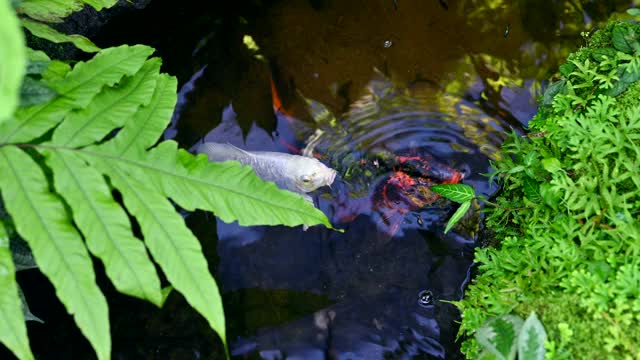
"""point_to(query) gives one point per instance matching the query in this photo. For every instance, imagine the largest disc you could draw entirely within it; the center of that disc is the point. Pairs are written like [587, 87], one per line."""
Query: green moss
[567, 222]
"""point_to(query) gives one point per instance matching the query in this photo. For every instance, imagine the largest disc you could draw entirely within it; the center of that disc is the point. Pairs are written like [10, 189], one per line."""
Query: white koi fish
[300, 174]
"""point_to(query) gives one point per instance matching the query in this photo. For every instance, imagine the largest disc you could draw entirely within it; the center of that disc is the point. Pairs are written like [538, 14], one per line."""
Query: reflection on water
[443, 83]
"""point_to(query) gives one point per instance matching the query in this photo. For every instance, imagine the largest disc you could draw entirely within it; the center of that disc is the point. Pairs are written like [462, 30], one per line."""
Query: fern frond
[76, 90]
[229, 190]
[13, 55]
[148, 124]
[171, 243]
[41, 219]
[105, 226]
[13, 332]
[110, 109]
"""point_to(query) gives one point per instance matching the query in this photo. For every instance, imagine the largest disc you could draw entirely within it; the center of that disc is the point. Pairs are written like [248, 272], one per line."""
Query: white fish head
[309, 173]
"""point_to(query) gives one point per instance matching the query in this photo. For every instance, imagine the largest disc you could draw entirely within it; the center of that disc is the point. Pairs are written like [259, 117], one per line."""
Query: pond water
[443, 80]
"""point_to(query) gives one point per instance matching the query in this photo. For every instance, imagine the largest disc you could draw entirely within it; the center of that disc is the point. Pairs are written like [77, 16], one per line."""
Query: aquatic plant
[567, 222]
[71, 137]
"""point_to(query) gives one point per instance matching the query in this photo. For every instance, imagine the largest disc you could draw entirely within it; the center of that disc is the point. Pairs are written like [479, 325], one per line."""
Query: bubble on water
[387, 44]
[425, 298]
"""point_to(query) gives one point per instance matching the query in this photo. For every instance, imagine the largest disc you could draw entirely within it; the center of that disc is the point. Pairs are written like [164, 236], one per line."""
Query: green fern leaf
[41, 219]
[105, 226]
[46, 32]
[49, 10]
[148, 124]
[171, 244]
[105, 69]
[76, 90]
[459, 214]
[100, 4]
[110, 109]
[14, 62]
[195, 183]
[13, 332]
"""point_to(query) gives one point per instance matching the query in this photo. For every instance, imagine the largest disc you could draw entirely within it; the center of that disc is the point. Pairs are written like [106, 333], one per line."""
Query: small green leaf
[52, 11]
[623, 37]
[551, 164]
[531, 189]
[14, 60]
[37, 67]
[499, 336]
[531, 339]
[455, 192]
[46, 32]
[566, 69]
[633, 12]
[553, 89]
[35, 92]
[603, 53]
[457, 215]
[13, 332]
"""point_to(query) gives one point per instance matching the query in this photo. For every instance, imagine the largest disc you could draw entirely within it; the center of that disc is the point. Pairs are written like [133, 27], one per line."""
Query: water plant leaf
[455, 192]
[34, 92]
[602, 54]
[171, 244]
[566, 69]
[14, 60]
[498, 336]
[52, 11]
[531, 339]
[457, 215]
[41, 219]
[623, 38]
[627, 75]
[108, 110]
[105, 226]
[46, 32]
[13, 332]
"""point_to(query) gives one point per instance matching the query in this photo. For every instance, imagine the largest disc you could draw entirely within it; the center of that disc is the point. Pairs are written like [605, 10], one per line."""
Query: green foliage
[13, 331]
[459, 193]
[12, 66]
[568, 218]
[506, 336]
[41, 12]
[62, 158]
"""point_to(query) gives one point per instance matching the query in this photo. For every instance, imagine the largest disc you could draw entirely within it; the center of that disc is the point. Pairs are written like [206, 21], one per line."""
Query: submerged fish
[296, 173]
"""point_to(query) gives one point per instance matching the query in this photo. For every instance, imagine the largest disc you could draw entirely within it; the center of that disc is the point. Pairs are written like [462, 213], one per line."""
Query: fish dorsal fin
[240, 150]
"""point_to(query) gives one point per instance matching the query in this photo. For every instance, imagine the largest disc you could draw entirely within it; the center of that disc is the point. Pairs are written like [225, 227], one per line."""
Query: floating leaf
[13, 64]
[41, 219]
[13, 332]
[499, 336]
[455, 192]
[457, 215]
[46, 32]
[35, 92]
[531, 339]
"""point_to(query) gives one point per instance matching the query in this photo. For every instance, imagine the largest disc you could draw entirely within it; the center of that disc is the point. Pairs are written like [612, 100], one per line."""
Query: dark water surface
[444, 79]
